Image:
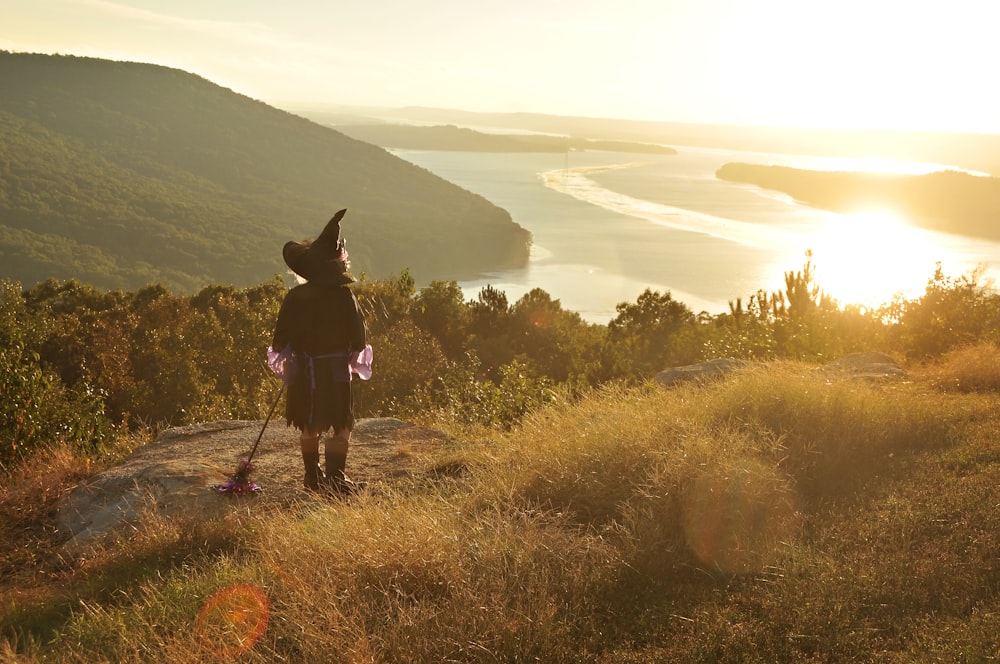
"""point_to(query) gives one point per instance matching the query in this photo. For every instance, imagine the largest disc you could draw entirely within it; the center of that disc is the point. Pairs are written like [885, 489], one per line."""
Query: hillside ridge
[964, 150]
[123, 174]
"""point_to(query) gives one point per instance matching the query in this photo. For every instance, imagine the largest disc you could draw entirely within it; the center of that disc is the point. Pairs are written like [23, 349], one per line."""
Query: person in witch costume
[320, 342]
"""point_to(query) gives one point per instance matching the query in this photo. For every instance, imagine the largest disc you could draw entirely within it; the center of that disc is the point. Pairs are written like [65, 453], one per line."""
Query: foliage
[746, 332]
[159, 357]
[555, 342]
[386, 302]
[407, 359]
[654, 332]
[36, 409]
[490, 331]
[458, 396]
[802, 322]
[952, 312]
[439, 309]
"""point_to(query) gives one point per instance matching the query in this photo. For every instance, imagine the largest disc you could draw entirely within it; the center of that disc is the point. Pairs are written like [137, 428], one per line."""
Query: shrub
[973, 368]
[36, 409]
[460, 396]
[953, 312]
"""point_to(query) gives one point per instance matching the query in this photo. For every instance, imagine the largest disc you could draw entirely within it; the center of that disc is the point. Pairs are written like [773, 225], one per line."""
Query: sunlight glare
[867, 257]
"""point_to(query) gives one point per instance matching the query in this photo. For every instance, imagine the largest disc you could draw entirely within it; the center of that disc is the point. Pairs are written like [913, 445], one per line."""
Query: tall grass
[968, 369]
[776, 515]
[829, 433]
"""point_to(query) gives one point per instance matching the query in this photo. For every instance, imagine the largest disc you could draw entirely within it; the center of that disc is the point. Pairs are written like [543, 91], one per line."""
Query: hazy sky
[908, 64]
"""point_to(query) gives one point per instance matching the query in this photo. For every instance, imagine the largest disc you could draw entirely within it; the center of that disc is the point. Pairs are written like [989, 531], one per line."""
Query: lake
[607, 226]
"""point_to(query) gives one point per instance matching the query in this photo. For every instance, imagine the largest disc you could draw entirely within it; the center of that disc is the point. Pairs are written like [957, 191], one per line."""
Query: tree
[490, 331]
[951, 313]
[557, 343]
[237, 326]
[653, 333]
[440, 310]
[808, 324]
[385, 302]
[406, 360]
[745, 332]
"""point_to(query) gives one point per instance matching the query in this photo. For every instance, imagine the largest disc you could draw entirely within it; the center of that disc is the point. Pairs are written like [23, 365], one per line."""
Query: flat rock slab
[874, 366]
[176, 474]
[699, 372]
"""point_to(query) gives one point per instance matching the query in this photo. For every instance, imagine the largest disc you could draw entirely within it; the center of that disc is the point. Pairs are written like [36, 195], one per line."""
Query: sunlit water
[606, 226]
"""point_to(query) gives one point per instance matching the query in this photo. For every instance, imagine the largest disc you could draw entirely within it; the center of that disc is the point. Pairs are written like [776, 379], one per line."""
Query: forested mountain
[124, 174]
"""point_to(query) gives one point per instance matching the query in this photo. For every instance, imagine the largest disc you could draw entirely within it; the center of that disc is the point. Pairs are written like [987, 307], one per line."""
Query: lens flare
[233, 620]
[737, 521]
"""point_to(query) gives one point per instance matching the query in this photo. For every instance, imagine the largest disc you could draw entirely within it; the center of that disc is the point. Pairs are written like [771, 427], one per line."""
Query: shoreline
[616, 235]
[573, 182]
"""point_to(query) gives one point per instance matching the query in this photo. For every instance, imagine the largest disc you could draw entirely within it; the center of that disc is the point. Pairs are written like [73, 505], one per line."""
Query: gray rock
[698, 372]
[175, 475]
[871, 365]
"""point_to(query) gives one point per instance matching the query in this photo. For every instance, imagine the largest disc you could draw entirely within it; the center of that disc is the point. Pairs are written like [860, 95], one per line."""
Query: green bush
[952, 312]
[460, 396]
[36, 408]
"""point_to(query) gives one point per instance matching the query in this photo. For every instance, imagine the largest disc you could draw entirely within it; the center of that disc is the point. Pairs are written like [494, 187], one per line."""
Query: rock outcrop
[875, 366]
[176, 473]
[701, 371]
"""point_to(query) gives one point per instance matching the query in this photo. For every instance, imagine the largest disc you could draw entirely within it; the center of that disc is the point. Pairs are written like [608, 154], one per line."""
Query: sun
[867, 257]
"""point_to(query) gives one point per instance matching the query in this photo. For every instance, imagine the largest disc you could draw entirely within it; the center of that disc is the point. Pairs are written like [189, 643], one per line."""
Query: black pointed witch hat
[323, 259]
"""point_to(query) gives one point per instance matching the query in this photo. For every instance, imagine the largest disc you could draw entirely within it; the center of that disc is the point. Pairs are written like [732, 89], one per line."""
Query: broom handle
[270, 413]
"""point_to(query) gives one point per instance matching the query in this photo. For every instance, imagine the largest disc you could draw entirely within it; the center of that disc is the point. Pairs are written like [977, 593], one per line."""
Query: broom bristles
[240, 483]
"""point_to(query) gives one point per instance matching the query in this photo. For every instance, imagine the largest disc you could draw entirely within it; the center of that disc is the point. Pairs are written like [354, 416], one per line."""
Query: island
[948, 201]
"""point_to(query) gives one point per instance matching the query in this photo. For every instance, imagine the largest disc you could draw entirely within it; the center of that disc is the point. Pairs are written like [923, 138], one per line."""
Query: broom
[240, 483]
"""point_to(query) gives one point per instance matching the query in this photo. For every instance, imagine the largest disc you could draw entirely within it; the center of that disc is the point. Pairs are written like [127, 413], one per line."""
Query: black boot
[313, 471]
[336, 481]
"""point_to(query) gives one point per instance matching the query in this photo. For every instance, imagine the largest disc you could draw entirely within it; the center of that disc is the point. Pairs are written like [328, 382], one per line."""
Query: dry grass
[968, 369]
[28, 495]
[776, 515]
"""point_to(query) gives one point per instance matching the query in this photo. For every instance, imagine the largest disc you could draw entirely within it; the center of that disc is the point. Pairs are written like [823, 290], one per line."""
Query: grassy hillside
[122, 174]
[778, 515]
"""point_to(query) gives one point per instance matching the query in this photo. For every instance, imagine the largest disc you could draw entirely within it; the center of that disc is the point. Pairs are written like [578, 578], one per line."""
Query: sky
[857, 64]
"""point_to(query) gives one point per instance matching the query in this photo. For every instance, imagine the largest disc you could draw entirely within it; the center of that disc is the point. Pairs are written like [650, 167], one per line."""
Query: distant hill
[454, 138]
[980, 152]
[124, 174]
[947, 201]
